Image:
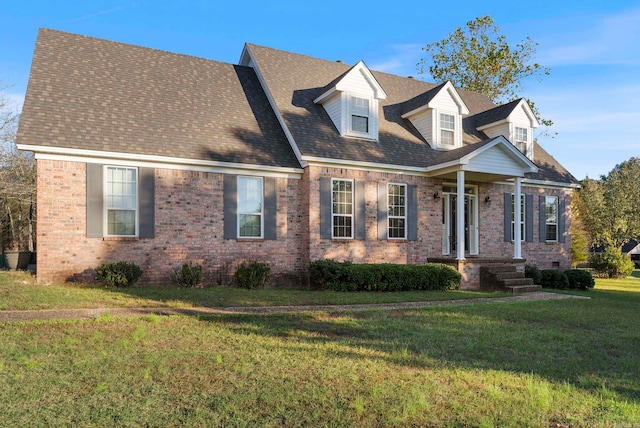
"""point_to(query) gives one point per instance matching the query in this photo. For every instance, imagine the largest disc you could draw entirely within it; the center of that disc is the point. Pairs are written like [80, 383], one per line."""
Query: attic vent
[340, 61]
[410, 77]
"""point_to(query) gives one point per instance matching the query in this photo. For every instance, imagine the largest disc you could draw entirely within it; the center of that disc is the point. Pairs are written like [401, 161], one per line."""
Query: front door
[449, 220]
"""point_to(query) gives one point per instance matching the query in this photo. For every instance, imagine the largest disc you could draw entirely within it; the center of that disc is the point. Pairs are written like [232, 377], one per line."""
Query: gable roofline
[425, 100]
[337, 85]
[247, 57]
[465, 160]
[502, 114]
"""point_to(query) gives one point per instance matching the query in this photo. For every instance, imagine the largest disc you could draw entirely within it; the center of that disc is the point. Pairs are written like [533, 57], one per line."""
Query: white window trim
[333, 215]
[523, 213]
[520, 140]
[105, 207]
[457, 125]
[404, 217]
[239, 213]
[547, 223]
[372, 122]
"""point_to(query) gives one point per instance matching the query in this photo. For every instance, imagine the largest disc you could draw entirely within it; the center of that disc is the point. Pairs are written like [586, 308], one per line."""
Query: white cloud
[602, 39]
[103, 12]
[398, 59]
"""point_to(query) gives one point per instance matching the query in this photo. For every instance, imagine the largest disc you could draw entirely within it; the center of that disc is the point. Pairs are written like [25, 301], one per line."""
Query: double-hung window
[521, 140]
[359, 108]
[342, 208]
[523, 216]
[447, 129]
[250, 207]
[121, 201]
[551, 218]
[397, 210]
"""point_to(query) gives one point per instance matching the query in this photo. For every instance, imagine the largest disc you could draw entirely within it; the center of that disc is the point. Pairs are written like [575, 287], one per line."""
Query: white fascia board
[492, 124]
[274, 107]
[517, 154]
[456, 97]
[379, 93]
[364, 166]
[325, 96]
[532, 117]
[415, 111]
[131, 159]
[545, 184]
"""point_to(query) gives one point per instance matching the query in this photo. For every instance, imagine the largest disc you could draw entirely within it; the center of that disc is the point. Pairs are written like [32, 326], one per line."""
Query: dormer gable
[514, 120]
[351, 101]
[437, 115]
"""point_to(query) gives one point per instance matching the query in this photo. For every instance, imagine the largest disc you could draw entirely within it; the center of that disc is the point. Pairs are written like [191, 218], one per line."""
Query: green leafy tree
[609, 207]
[480, 59]
[579, 237]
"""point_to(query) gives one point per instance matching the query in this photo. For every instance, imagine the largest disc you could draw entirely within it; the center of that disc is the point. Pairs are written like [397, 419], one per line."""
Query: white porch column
[460, 216]
[517, 211]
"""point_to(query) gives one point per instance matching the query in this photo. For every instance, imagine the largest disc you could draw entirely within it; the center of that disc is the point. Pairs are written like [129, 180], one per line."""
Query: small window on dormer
[359, 115]
[521, 140]
[447, 129]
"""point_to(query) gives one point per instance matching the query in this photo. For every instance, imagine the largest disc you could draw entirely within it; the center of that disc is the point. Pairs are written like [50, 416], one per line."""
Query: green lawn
[552, 363]
[18, 291]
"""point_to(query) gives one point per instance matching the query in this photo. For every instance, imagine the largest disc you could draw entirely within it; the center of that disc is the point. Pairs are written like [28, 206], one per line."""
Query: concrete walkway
[78, 314]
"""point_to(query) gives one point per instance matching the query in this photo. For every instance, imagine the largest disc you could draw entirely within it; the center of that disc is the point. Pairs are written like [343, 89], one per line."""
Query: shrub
[252, 275]
[611, 263]
[322, 273]
[552, 278]
[580, 279]
[532, 271]
[189, 275]
[120, 274]
[383, 277]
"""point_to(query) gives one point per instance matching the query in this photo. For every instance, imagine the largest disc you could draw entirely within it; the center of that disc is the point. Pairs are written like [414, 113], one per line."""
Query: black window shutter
[230, 202]
[146, 202]
[383, 223]
[325, 208]
[412, 212]
[361, 208]
[95, 213]
[270, 208]
[529, 217]
[562, 206]
[507, 217]
[543, 219]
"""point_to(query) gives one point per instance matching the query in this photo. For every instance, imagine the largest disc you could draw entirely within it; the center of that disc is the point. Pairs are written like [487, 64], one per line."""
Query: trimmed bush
[611, 263]
[252, 275]
[120, 274]
[532, 271]
[552, 278]
[580, 279]
[189, 275]
[325, 272]
[383, 277]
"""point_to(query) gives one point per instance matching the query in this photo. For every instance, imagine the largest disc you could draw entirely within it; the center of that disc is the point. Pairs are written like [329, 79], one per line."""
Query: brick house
[159, 158]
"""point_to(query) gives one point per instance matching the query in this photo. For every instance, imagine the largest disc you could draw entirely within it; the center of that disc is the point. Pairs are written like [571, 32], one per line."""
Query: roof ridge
[42, 30]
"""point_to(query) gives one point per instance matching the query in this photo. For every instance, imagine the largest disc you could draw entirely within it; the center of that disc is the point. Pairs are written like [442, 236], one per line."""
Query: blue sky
[591, 47]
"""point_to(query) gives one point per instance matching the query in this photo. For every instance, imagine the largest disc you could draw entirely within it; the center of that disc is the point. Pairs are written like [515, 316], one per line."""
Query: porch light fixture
[487, 200]
[436, 196]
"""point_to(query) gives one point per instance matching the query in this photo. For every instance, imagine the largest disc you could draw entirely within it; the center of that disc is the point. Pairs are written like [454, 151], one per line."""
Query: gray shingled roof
[295, 80]
[87, 93]
[422, 99]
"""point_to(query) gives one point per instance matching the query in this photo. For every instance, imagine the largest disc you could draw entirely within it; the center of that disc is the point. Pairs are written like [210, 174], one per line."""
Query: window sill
[249, 239]
[122, 238]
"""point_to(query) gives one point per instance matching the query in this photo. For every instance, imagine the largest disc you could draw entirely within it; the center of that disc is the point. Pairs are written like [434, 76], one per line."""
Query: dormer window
[521, 140]
[447, 129]
[359, 109]
[352, 103]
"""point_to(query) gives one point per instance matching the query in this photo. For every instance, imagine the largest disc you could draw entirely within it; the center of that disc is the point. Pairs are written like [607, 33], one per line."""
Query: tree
[579, 240]
[609, 207]
[480, 59]
[17, 184]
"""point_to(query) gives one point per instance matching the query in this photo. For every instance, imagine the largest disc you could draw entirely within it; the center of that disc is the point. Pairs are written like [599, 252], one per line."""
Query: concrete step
[517, 281]
[508, 275]
[502, 268]
[517, 289]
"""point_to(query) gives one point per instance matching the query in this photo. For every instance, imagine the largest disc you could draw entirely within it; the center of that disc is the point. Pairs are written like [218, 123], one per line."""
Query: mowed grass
[552, 363]
[19, 291]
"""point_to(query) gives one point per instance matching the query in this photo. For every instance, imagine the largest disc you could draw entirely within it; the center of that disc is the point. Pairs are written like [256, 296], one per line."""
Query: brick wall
[190, 225]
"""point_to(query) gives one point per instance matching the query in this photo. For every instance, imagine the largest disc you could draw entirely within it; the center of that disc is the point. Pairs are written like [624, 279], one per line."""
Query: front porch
[470, 268]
